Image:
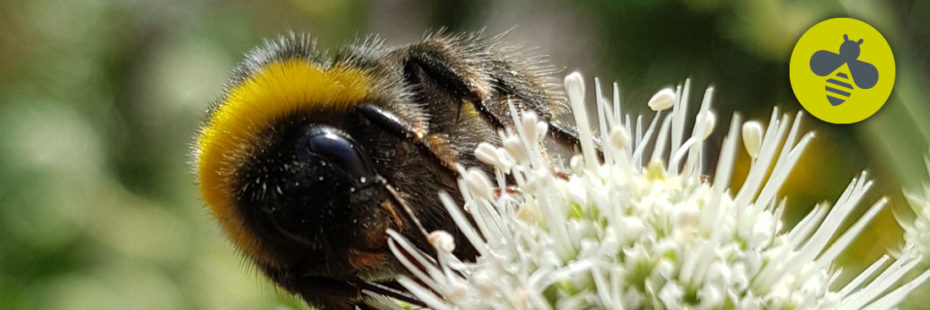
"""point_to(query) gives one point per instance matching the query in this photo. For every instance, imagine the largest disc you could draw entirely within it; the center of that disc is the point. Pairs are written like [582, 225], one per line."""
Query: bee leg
[393, 290]
[410, 215]
[424, 63]
[567, 136]
[326, 293]
[434, 145]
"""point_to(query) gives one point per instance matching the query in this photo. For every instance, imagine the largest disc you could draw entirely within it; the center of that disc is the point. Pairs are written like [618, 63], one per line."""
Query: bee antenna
[845, 37]
[859, 42]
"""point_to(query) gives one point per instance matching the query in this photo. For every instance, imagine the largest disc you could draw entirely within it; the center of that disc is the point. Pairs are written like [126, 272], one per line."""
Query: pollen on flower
[752, 138]
[442, 241]
[662, 100]
[635, 225]
[619, 138]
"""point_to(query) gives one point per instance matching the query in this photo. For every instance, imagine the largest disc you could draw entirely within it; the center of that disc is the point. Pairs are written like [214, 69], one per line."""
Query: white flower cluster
[618, 234]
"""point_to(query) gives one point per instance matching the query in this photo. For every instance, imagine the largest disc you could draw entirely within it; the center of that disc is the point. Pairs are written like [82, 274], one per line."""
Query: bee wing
[864, 74]
[824, 62]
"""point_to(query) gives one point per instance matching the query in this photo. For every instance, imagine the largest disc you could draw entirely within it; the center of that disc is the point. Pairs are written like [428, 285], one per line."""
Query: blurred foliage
[99, 101]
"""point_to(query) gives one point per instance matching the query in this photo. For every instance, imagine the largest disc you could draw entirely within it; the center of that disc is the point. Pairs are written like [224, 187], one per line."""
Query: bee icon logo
[845, 73]
[864, 75]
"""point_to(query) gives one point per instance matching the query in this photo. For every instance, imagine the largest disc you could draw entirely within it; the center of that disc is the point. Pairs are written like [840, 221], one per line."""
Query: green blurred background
[99, 101]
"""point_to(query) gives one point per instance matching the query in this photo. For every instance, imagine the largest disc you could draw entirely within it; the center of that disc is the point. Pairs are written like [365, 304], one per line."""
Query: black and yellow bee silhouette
[864, 75]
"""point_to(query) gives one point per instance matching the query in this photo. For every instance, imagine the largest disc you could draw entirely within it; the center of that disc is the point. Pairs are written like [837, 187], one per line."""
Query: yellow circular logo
[842, 70]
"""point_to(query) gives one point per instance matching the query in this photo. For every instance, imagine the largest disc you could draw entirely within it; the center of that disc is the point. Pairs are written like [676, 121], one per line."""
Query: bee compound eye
[335, 147]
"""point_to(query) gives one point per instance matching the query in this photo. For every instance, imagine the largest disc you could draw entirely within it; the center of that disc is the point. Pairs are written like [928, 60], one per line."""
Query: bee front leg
[326, 293]
[433, 145]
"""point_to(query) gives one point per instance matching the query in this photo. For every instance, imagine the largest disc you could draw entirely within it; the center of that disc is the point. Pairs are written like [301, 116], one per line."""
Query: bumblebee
[306, 160]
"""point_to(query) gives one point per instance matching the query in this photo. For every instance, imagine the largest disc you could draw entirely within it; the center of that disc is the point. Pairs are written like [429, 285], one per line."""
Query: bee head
[282, 174]
[306, 192]
[306, 178]
[850, 48]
